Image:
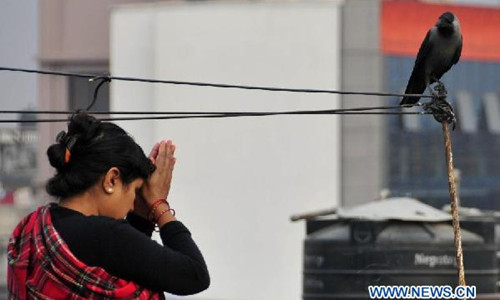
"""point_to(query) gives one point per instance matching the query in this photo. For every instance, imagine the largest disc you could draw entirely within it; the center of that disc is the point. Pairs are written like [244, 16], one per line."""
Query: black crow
[439, 51]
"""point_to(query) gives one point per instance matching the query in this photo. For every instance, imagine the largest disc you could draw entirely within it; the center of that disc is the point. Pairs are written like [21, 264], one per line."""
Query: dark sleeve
[140, 224]
[177, 267]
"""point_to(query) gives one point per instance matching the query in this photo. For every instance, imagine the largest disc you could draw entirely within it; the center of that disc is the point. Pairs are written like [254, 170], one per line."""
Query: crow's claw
[440, 108]
[440, 89]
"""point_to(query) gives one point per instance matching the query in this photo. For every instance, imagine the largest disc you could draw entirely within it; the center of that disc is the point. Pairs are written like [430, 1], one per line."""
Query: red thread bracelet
[155, 205]
[157, 228]
[162, 213]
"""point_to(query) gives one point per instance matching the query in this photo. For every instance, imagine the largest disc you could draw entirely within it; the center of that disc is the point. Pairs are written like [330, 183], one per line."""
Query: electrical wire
[225, 115]
[197, 115]
[214, 85]
[311, 112]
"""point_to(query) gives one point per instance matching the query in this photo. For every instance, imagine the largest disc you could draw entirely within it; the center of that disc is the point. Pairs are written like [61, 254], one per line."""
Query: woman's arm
[177, 267]
[140, 223]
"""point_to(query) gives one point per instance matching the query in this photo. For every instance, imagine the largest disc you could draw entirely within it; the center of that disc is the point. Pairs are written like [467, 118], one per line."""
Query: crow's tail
[415, 86]
[409, 100]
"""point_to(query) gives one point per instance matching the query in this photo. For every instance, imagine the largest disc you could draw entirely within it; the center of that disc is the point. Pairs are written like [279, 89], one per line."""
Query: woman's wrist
[154, 207]
[160, 212]
[164, 214]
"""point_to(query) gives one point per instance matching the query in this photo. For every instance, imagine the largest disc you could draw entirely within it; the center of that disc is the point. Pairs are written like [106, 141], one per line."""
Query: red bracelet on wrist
[155, 205]
[163, 212]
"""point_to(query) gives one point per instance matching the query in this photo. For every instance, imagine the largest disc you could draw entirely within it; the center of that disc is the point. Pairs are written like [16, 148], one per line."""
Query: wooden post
[454, 204]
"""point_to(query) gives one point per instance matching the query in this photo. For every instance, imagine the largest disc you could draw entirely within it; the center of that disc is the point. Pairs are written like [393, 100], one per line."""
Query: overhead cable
[214, 85]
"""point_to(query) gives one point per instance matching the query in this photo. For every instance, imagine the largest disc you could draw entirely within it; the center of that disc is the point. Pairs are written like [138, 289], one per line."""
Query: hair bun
[83, 126]
[56, 156]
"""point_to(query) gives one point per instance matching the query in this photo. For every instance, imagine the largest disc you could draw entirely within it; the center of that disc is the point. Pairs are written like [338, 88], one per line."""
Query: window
[412, 122]
[467, 115]
[492, 112]
[81, 93]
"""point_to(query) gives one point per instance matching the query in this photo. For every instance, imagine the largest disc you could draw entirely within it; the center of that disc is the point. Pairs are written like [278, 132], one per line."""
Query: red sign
[404, 25]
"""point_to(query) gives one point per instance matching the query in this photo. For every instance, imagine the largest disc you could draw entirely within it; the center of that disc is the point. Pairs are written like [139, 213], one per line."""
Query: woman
[83, 247]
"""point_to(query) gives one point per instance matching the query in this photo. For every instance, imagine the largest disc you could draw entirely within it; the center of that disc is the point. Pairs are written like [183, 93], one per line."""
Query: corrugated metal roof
[404, 209]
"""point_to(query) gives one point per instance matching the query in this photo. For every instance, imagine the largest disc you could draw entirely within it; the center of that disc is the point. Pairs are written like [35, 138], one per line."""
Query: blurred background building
[237, 201]
[18, 143]
[415, 153]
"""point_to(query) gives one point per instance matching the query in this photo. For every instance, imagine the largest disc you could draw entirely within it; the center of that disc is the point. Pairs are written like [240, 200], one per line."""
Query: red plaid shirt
[41, 266]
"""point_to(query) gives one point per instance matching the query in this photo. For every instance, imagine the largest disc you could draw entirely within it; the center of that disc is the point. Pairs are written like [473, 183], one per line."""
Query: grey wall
[362, 136]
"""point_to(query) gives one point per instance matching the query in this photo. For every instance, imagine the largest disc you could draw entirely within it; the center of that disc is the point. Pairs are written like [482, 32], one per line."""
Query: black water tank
[487, 225]
[344, 257]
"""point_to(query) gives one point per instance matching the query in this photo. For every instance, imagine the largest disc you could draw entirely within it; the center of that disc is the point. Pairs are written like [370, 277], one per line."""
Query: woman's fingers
[161, 158]
[158, 185]
[165, 154]
[154, 152]
[171, 149]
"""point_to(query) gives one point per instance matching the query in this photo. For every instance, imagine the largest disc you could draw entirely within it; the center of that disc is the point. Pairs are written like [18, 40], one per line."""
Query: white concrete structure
[238, 180]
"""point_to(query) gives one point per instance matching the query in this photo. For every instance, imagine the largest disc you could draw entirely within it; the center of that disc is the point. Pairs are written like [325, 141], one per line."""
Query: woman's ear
[111, 180]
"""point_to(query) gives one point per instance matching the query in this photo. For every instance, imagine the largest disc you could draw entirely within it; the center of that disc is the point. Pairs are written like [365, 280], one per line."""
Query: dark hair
[97, 147]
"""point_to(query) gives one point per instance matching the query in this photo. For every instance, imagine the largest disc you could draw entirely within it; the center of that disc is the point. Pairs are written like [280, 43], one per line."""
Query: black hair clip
[68, 142]
[60, 136]
[71, 141]
[66, 139]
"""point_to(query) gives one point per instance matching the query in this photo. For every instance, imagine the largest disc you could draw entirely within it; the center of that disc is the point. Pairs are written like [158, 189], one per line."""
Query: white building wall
[238, 180]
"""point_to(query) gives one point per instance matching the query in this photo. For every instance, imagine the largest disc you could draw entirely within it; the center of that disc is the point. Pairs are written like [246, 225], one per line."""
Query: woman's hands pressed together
[158, 184]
